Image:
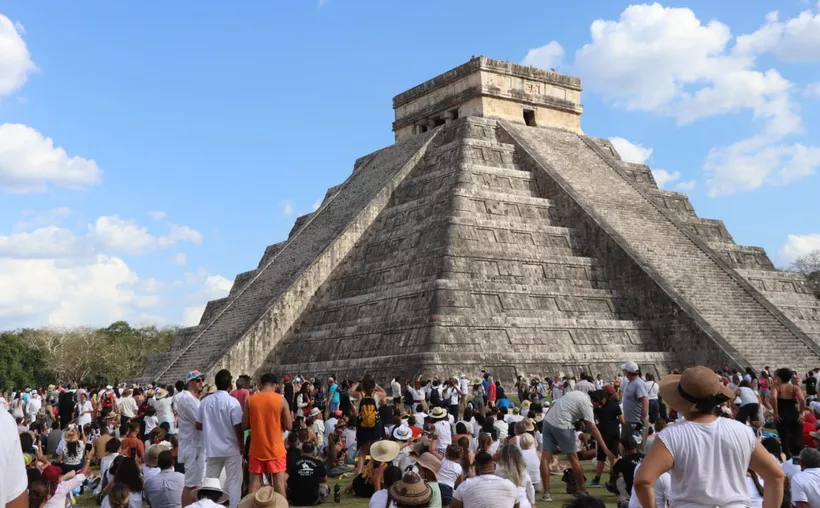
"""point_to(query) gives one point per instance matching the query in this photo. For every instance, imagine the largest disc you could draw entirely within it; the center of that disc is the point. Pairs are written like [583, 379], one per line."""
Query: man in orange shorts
[267, 415]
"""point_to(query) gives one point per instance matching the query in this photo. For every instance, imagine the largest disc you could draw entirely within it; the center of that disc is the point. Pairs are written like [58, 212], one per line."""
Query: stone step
[655, 240]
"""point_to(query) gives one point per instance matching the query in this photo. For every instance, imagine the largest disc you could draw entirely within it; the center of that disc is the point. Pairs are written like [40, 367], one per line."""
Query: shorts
[555, 438]
[274, 466]
[612, 442]
[194, 463]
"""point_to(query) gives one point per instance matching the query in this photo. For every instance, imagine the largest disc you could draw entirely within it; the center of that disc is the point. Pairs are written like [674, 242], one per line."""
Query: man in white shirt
[190, 453]
[585, 384]
[13, 481]
[220, 420]
[805, 485]
[164, 489]
[485, 490]
[395, 389]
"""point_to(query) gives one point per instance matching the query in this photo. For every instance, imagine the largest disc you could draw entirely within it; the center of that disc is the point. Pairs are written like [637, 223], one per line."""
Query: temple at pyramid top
[494, 234]
[494, 89]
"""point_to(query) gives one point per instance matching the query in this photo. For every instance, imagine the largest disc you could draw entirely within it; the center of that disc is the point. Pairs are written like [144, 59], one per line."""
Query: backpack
[435, 397]
[368, 413]
[106, 400]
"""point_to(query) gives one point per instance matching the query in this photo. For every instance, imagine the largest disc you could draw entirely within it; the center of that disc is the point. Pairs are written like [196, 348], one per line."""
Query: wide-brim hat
[161, 394]
[402, 433]
[476, 381]
[265, 497]
[696, 385]
[429, 461]
[528, 425]
[72, 436]
[51, 387]
[411, 490]
[211, 485]
[438, 413]
[384, 451]
[526, 404]
[314, 412]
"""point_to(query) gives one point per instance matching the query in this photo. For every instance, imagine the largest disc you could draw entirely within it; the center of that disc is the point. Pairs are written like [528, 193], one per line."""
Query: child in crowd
[450, 474]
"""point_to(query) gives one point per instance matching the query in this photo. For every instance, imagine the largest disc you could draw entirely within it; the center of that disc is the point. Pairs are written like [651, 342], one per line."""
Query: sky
[149, 154]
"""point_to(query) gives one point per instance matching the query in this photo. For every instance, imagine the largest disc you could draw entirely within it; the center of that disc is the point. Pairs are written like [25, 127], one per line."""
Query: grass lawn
[557, 487]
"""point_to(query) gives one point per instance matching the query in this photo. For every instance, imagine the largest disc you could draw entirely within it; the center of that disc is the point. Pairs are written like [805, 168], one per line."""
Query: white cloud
[794, 40]
[748, 164]
[286, 208]
[548, 56]
[157, 215]
[686, 186]
[191, 315]
[631, 152]
[29, 161]
[33, 219]
[812, 90]
[48, 291]
[120, 235]
[666, 61]
[317, 204]
[800, 245]
[15, 60]
[216, 286]
[179, 259]
[47, 242]
[664, 177]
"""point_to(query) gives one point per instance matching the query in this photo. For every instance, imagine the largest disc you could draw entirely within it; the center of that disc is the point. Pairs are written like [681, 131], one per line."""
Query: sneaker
[546, 498]
[596, 484]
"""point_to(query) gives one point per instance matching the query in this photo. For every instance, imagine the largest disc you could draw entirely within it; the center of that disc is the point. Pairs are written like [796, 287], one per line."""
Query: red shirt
[491, 392]
[240, 395]
[416, 431]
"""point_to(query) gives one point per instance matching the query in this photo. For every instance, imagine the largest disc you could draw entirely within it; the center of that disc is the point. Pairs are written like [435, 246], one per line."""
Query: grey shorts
[554, 438]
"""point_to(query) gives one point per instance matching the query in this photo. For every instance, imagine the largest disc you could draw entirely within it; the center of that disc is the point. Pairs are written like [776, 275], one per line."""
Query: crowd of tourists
[706, 437]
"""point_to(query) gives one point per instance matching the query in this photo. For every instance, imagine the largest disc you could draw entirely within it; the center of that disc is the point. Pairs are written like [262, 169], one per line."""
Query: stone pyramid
[493, 234]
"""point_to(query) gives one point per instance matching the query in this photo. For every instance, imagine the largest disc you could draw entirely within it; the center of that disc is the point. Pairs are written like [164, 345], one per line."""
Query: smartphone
[134, 452]
[88, 447]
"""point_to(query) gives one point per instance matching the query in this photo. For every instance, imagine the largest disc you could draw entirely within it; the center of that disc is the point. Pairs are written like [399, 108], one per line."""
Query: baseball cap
[286, 379]
[630, 367]
[609, 389]
[194, 374]
[51, 474]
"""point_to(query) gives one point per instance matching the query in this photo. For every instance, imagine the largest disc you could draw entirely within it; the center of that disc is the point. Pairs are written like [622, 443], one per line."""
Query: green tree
[21, 365]
[809, 265]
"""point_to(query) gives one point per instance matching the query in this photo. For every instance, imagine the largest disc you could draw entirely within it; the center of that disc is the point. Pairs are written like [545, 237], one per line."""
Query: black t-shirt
[607, 416]
[304, 479]
[626, 467]
[293, 455]
[811, 385]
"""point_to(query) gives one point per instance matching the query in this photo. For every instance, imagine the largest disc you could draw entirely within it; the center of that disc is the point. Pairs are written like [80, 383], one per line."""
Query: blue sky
[149, 155]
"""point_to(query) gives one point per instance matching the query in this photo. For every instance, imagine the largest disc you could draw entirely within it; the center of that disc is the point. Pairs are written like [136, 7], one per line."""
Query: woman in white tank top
[706, 456]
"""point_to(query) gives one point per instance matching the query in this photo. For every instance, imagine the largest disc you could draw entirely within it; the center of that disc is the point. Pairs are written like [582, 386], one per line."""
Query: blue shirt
[334, 393]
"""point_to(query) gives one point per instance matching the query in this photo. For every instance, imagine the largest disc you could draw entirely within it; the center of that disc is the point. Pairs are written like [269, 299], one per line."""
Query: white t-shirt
[526, 491]
[451, 395]
[395, 388]
[420, 417]
[533, 464]
[487, 491]
[218, 413]
[165, 413]
[128, 406]
[444, 433]
[13, 481]
[662, 487]
[379, 500]
[747, 396]
[652, 390]
[754, 495]
[790, 468]
[464, 386]
[711, 460]
[190, 439]
[449, 472]
[806, 487]
[318, 428]
[569, 409]
[84, 418]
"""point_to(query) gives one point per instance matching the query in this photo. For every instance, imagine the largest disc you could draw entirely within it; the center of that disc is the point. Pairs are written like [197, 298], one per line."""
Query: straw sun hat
[384, 451]
[697, 389]
[265, 497]
[411, 491]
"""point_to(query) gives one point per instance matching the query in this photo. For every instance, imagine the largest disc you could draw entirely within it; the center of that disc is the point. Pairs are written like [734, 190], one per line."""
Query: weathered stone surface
[485, 243]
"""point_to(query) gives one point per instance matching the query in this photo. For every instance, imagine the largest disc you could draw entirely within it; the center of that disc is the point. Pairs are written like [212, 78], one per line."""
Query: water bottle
[337, 494]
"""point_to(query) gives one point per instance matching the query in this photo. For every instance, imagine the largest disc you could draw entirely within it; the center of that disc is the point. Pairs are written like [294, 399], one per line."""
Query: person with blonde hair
[512, 466]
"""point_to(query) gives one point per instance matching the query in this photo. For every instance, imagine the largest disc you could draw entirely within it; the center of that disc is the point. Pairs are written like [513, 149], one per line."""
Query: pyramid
[494, 234]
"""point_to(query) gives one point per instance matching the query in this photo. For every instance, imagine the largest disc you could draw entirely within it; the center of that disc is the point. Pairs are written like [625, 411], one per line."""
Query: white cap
[815, 405]
[630, 367]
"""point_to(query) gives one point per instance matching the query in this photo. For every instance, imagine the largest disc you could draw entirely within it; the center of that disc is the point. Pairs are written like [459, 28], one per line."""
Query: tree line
[809, 265]
[40, 356]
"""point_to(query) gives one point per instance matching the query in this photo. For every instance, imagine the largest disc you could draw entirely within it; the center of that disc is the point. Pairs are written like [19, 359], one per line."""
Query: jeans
[233, 475]
[654, 410]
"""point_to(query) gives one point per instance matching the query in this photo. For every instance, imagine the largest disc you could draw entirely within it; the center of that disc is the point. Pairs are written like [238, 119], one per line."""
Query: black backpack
[435, 397]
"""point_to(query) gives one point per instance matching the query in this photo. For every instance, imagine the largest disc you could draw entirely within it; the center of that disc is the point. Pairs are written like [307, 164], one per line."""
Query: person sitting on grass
[623, 473]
